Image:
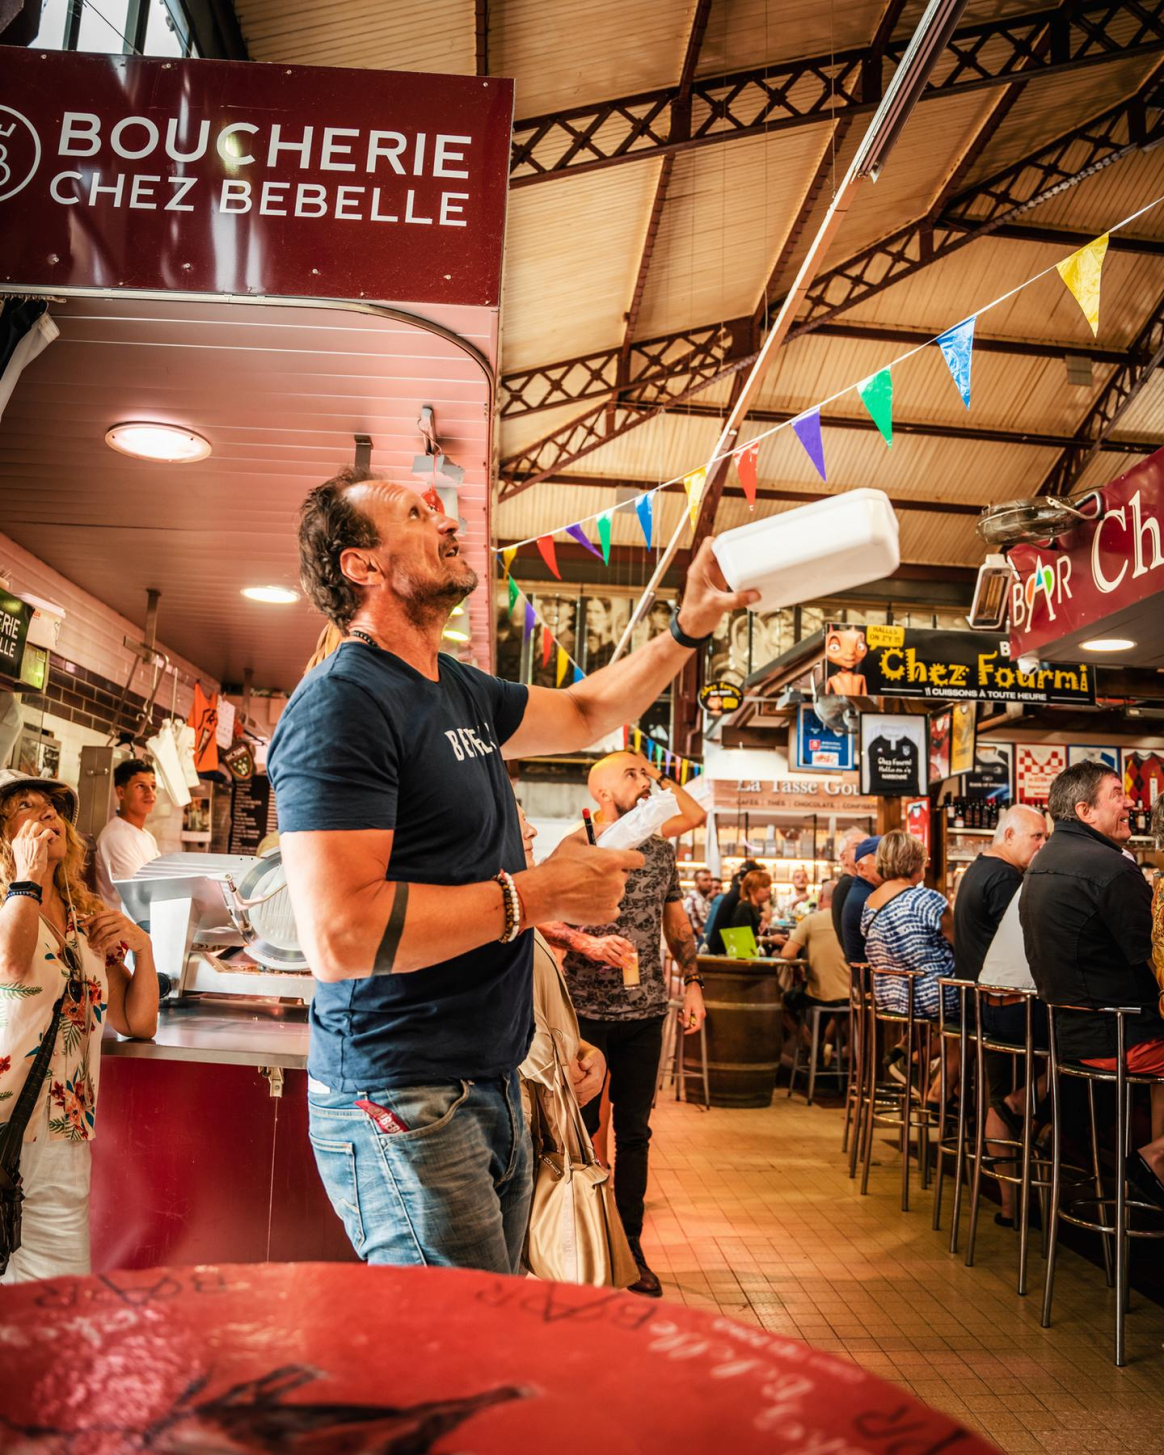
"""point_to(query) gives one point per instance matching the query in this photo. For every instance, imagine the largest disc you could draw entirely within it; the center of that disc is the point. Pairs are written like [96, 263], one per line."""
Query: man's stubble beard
[426, 601]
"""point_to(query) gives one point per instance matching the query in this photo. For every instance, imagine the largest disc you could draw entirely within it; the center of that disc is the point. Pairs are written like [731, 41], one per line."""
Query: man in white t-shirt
[125, 844]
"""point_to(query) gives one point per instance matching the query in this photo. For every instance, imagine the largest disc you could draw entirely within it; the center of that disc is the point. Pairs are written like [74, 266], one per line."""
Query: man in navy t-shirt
[405, 864]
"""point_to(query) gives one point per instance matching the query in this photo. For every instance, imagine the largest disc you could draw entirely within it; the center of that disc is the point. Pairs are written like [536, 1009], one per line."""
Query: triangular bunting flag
[578, 675]
[549, 556]
[626, 737]
[693, 484]
[957, 346]
[563, 663]
[806, 428]
[604, 535]
[638, 741]
[684, 766]
[877, 396]
[1081, 273]
[667, 763]
[530, 620]
[643, 507]
[507, 556]
[514, 593]
[580, 536]
[746, 470]
[547, 645]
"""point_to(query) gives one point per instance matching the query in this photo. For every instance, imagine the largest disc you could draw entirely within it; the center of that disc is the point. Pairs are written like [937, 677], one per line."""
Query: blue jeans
[453, 1189]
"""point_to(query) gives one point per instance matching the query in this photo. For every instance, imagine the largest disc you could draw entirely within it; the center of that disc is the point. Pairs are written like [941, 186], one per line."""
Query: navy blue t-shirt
[367, 742]
[852, 940]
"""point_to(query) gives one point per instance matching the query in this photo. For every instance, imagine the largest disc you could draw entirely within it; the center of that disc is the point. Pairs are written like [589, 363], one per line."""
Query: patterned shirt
[905, 933]
[68, 1098]
[597, 990]
[697, 907]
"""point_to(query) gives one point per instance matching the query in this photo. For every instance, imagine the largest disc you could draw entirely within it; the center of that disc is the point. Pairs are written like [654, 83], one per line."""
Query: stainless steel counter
[224, 1033]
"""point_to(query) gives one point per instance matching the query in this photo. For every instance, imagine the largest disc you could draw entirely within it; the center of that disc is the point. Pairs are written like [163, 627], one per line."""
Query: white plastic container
[815, 550]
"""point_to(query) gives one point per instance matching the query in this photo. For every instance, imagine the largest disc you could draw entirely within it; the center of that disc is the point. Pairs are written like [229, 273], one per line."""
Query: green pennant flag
[604, 535]
[513, 594]
[877, 396]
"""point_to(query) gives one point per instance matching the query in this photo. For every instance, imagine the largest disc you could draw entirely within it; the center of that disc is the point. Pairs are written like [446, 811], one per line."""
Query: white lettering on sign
[1103, 582]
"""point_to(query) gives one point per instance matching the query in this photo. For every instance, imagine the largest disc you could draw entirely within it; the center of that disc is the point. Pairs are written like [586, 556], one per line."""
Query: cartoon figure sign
[845, 649]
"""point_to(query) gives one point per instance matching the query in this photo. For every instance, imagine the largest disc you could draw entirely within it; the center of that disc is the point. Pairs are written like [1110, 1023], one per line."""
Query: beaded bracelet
[511, 901]
[24, 890]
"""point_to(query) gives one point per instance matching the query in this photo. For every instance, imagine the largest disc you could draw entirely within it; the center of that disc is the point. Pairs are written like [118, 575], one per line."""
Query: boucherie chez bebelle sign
[895, 661]
[232, 177]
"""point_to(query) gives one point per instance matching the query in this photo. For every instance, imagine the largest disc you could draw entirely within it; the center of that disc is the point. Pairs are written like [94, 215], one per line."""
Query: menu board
[15, 616]
[252, 814]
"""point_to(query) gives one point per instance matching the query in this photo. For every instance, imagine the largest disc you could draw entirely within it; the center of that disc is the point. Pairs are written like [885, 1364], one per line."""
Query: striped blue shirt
[906, 934]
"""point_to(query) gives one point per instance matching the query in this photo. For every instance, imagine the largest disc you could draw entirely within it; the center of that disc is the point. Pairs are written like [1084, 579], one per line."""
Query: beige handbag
[575, 1234]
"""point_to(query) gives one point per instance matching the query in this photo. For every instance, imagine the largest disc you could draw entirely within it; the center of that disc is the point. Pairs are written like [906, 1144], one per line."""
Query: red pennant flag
[547, 645]
[746, 470]
[433, 500]
[626, 737]
[549, 555]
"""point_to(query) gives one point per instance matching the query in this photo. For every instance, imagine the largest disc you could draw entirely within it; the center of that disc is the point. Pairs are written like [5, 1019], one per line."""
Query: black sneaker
[648, 1281]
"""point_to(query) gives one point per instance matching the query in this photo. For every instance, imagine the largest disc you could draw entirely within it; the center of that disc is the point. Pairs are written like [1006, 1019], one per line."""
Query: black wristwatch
[695, 979]
[27, 888]
[691, 643]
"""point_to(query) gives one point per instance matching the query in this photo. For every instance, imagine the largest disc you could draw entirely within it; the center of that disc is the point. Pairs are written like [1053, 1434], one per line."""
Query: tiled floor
[752, 1213]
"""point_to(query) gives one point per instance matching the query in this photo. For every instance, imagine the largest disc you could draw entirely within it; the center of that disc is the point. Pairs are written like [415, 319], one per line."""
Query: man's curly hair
[330, 524]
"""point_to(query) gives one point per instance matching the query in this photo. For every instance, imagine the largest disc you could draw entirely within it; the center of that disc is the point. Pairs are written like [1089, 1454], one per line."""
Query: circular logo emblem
[717, 698]
[19, 152]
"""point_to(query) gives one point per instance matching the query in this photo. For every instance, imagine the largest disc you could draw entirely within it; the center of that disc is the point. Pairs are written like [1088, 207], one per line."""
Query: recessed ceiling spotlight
[273, 595]
[1107, 644]
[454, 636]
[167, 444]
[457, 611]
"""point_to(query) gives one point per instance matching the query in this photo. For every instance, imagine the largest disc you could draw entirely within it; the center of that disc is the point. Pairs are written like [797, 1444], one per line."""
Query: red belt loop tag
[386, 1119]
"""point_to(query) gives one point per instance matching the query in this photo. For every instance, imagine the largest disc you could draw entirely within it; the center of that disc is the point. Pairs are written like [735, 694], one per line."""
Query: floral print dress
[67, 1106]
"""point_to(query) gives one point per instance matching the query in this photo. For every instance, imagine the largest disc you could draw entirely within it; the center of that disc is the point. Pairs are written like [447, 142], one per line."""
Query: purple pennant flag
[580, 536]
[667, 763]
[957, 346]
[806, 428]
[643, 507]
[530, 621]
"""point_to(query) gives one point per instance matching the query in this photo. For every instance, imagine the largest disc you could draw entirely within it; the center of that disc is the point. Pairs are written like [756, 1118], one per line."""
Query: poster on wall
[992, 776]
[1037, 767]
[818, 748]
[893, 752]
[898, 661]
[1143, 778]
[939, 742]
[1087, 753]
[962, 730]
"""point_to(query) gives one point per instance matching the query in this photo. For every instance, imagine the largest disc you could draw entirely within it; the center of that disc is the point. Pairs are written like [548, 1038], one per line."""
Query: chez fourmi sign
[1108, 565]
[230, 177]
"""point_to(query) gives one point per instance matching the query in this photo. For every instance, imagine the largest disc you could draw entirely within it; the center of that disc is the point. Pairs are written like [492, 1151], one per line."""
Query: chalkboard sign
[15, 616]
[252, 815]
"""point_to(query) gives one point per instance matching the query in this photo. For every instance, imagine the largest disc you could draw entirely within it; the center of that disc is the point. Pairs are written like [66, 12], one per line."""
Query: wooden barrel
[744, 1029]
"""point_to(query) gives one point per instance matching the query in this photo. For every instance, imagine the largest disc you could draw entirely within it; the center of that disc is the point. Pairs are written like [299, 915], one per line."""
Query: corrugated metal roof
[406, 35]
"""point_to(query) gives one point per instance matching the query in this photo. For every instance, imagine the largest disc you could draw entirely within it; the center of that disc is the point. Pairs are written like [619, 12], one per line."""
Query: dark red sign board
[231, 177]
[1096, 577]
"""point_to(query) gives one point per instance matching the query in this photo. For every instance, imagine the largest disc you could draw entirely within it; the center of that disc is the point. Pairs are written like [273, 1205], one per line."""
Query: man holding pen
[407, 875]
[623, 1014]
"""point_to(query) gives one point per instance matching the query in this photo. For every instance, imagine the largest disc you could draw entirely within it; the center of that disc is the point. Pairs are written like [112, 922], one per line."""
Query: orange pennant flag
[547, 645]
[549, 555]
[746, 470]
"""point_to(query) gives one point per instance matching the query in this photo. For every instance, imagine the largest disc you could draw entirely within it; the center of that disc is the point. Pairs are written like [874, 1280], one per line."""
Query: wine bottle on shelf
[959, 814]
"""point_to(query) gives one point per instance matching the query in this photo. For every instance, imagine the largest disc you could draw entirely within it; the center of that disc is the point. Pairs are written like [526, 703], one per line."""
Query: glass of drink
[630, 969]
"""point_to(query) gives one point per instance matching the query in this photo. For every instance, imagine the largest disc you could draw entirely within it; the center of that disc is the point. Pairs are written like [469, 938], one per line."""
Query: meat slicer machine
[220, 924]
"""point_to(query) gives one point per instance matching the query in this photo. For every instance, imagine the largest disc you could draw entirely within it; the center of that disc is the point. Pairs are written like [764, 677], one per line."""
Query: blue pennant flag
[957, 346]
[643, 508]
[578, 674]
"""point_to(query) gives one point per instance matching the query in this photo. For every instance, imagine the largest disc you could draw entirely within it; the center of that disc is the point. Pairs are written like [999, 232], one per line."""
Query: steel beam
[1115, 399]
[1071, 158]
[810, 90]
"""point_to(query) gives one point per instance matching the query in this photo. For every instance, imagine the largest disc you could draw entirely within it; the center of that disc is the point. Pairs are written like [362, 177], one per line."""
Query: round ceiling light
[1107, 644]
[454, 636]
[273, 595]
[166, 444]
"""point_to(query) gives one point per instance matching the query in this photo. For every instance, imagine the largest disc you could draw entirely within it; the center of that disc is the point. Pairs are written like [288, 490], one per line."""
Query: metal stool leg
[960, 1153]
[795, 1060]
[1053, 1199]
[1097, 1171]
[1121, 1211]
[813, 1050]
[870, 1098]
[703, 1065]
[982, 1099]
[850, 1066]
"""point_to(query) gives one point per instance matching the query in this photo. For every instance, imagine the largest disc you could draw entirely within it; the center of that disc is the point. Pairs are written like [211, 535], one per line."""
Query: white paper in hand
[644, 819]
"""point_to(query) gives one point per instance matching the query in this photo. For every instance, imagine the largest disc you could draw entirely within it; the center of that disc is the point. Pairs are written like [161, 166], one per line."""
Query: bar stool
[1119, 1229]
[815, 1013]
[855, 1091]
[1035, 1171]
[954, 1145]
[889, 1104]
[673, 1059]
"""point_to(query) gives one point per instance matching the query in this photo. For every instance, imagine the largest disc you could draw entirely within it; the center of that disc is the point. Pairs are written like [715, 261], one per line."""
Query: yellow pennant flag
[563, 663]
[507, 556]
[694, 484]
[638, 741]
[683, 767]
[1081, 273]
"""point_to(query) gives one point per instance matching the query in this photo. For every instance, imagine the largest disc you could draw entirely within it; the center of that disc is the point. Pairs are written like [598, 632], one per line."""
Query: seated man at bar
[124, 845]
[827, 981]
[407, 873]
[867, 879]
[847, 877]
[1086, 914]
[985, 896]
